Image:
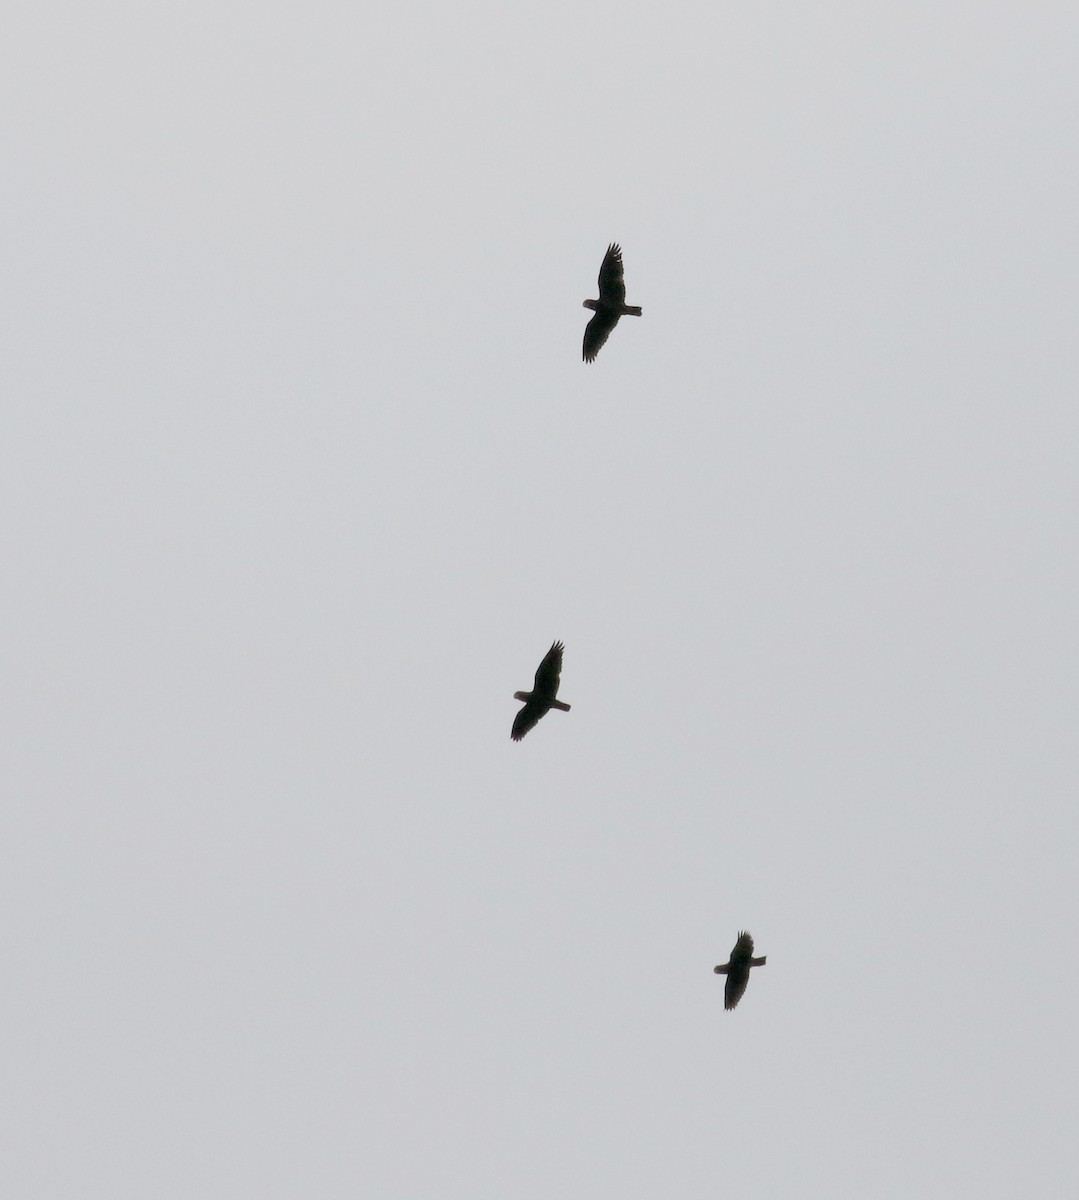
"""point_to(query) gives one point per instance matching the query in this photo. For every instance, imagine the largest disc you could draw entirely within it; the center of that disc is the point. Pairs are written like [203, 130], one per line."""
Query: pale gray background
[302, 474]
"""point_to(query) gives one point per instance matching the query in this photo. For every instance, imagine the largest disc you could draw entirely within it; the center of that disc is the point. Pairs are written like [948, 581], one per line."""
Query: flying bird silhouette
[737, 970]
[611, 303]
[541, 699]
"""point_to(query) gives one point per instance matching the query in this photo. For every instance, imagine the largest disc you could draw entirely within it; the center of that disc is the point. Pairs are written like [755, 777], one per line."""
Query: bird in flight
[611, 303]
[541, 699]
[737, 970]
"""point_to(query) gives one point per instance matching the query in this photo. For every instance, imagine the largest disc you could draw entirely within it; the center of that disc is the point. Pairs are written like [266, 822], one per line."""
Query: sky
[301, 474]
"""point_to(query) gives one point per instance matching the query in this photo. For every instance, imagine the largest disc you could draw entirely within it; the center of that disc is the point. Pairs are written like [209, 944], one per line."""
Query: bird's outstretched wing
[527, 718]
[737, 979]
[743, 948]
[548, 674]
[612, 283]
[597, 331]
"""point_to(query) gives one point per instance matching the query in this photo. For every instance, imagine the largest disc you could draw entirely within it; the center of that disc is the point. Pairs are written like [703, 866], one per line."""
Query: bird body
[541, 699]
[611, 303]
[737, 970]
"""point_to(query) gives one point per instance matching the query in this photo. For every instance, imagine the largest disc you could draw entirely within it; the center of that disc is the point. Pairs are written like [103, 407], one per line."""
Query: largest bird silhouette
[737, 970]
[541, 699]
[611, 303]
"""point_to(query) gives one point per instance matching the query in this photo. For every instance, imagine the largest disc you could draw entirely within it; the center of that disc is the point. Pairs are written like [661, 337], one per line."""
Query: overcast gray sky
[300, 475]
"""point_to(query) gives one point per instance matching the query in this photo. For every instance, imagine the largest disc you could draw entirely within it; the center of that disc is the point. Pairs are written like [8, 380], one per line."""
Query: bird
[611, 303]
[541, 699]
[737, 970]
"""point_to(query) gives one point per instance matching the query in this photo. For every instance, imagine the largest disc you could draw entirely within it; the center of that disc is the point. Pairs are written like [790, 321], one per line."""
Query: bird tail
[631, 310]
[559, 705]
[758, 962]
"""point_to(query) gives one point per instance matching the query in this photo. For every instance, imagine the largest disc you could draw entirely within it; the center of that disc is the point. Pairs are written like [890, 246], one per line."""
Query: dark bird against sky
[611, 303]
[737, 970]
[541, 699]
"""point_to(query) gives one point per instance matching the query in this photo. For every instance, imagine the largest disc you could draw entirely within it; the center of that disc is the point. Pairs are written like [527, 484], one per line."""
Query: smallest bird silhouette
[737, 970]
[611, 303]
[541, 699]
